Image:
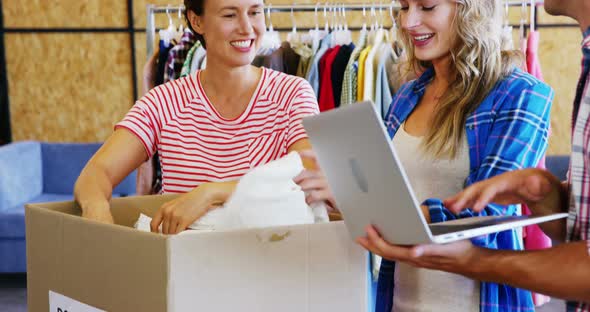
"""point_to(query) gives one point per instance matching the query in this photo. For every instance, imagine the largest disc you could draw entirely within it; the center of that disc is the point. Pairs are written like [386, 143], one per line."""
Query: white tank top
[422, 290]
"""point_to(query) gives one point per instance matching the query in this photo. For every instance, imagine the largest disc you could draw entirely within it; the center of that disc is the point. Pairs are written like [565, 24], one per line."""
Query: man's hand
[540, 190]
[534, 187]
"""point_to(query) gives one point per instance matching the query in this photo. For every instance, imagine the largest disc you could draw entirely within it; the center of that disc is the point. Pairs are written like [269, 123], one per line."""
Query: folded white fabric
[265, 196]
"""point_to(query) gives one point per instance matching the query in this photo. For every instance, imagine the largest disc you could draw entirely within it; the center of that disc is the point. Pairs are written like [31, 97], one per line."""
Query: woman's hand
[314, 183]
[175, 216]
[458, 257]
[99, 211]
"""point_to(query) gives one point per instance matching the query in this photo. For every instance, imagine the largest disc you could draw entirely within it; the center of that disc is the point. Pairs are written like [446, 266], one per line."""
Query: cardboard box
[117, 268]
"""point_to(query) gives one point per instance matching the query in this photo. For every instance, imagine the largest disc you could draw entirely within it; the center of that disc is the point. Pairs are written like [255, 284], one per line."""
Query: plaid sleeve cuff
[437, 211]
[588, 245]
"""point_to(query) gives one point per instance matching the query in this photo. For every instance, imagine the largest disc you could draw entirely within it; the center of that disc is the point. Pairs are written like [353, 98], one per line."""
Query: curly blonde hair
[478, 63]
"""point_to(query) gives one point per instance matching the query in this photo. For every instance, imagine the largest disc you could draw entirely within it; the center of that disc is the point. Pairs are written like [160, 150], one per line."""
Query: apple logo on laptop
[358, 175]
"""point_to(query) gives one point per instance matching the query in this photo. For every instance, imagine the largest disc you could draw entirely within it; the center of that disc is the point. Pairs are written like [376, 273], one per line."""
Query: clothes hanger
[379, 35]
[315, 35]
[180, 31]
[169, 33]
[364, 27]
[523, 16]
[507, 41]
[393, 30]
[293, 37]
[271, 39]
[335, 35]
[346, 31]
[338, 24]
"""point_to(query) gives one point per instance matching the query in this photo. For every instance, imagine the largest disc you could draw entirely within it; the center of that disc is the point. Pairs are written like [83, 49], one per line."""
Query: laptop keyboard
[470, 223]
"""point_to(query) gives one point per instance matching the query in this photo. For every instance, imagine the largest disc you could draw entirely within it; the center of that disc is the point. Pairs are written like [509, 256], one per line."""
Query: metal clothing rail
[152, 10]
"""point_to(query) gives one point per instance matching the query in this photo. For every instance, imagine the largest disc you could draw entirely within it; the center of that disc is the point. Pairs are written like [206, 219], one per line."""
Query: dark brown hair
[198, 7]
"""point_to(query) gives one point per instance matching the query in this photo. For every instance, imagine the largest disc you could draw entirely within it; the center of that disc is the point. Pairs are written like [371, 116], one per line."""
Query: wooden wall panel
[560, 54]
[65, 13]
[140, 60]
[67, 87]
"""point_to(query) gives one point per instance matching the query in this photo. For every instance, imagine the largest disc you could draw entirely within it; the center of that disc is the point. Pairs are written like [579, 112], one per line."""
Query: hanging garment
[283, 59]
[338, 69]
[370, 64]
[361, 73]
[326, 100]
[506, 38]
[532, 57]
[156, 179]
[305, 54]
[177, 55]
[273, 61]
[313, 74]
[162, 58]
[186, 67]
[383, 92]
[290, 59]
[398, 71]
[199, 60]
[533, 236]
[523, 48]
[350, 80]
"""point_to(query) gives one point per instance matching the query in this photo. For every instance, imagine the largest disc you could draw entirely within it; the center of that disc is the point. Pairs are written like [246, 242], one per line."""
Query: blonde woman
[471, 114]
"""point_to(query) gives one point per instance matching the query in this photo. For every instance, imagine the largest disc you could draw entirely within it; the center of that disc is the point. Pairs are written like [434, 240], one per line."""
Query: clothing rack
[152, 10]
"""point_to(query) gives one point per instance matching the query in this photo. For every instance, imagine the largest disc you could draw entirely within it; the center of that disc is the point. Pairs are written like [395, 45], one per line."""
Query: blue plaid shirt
[508, 131]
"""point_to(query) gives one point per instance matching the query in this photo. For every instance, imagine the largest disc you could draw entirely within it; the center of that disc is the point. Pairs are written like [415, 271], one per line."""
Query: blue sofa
[33, 172]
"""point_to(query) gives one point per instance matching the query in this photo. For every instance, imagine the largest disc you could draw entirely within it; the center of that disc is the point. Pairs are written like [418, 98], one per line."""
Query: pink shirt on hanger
[534, 238]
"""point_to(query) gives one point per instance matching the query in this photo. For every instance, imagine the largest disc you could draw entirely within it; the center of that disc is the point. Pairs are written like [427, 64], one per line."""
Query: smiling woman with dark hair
[209, 128]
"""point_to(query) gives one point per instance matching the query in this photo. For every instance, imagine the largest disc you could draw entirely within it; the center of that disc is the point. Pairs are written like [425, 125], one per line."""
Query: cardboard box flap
[126, 210]
[67, 252]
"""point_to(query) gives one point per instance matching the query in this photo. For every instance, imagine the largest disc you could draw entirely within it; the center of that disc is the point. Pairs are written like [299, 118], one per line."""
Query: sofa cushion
[14, 258]
[62, 164]
[20, 173]
[12, 220]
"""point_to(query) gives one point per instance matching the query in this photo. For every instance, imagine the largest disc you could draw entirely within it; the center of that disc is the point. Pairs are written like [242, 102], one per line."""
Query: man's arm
[562, 271]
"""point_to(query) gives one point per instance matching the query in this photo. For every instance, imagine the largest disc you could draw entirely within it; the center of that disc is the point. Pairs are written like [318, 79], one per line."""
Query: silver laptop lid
[369, 185]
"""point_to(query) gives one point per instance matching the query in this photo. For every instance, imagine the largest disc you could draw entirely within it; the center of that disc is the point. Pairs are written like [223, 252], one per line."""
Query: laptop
[371, 187]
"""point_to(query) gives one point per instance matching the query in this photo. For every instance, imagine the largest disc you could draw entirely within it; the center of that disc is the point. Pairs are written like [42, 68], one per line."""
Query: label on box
[61, 303]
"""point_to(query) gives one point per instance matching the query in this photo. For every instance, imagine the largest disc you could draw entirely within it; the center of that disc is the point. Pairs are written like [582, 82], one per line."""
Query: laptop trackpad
[471, 223]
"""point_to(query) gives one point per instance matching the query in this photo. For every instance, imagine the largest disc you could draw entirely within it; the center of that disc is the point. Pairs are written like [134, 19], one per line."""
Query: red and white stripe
[197, 145]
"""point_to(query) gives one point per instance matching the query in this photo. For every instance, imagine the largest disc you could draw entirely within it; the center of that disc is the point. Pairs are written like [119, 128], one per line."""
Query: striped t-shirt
[197, 145]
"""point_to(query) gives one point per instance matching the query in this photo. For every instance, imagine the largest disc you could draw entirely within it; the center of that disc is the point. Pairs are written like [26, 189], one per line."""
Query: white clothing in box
[310, 267]
[265, 196]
